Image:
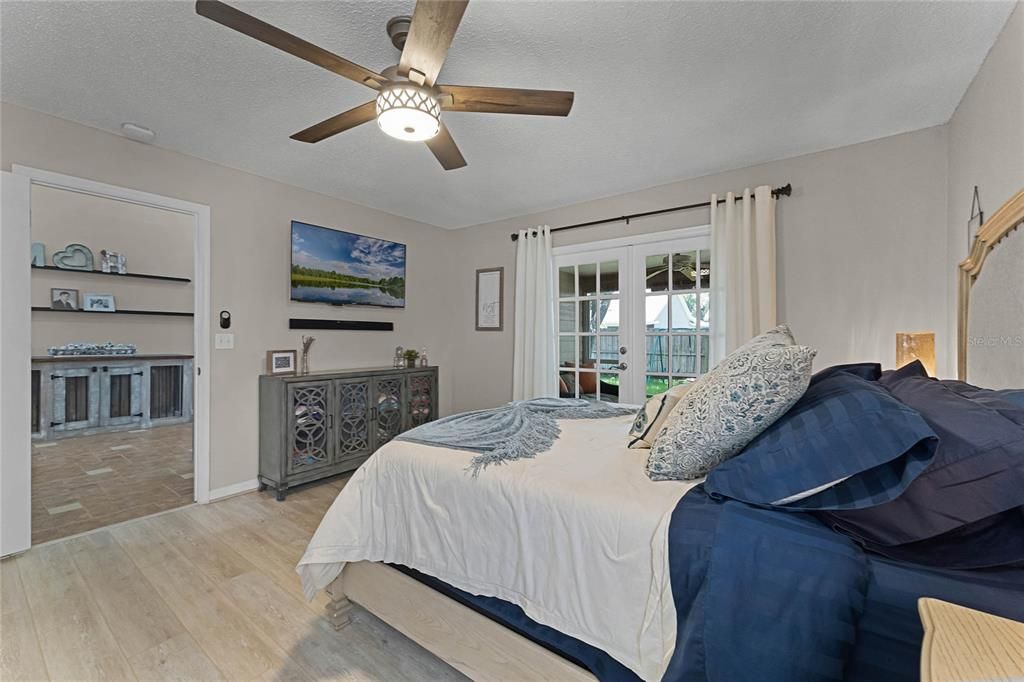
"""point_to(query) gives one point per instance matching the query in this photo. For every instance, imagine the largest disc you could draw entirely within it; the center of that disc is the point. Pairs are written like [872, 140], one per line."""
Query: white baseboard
[234, 489]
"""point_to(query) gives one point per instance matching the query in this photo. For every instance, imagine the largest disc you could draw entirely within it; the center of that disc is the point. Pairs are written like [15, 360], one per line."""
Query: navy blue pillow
[977, 472]
[845, 426]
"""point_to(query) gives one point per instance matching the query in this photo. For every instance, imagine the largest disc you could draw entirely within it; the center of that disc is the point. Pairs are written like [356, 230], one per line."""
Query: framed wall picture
[490, 299]
[282, 362]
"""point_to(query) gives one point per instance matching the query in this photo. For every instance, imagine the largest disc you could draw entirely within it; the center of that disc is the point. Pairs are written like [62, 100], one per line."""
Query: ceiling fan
[409, 102]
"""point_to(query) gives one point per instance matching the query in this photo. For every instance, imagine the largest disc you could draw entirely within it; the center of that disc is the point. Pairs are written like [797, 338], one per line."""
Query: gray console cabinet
[328, 423]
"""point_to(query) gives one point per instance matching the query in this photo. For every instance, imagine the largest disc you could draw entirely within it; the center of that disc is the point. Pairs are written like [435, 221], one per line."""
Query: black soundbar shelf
[137, 275]
[172, 313]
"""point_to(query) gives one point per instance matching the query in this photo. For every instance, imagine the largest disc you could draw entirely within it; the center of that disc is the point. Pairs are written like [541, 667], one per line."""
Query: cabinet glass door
[422, 399]
[352, 430]
[308, 421]
[387, 407]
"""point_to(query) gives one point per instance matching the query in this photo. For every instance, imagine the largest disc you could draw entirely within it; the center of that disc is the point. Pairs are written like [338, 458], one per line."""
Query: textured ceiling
[664, 90]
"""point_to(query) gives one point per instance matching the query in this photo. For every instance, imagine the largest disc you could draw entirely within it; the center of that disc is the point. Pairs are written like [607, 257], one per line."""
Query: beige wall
[866, 246]
[986, 141]
[861, 244]
[155, 241]
[250, 260]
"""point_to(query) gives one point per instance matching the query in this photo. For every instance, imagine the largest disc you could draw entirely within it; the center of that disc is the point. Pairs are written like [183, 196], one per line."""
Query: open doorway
[118, 297]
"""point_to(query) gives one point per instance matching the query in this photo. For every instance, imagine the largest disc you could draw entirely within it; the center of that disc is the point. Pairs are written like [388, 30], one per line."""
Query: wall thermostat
[225, 319]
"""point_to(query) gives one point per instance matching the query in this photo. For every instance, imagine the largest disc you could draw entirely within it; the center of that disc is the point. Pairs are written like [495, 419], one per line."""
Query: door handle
[621, 365]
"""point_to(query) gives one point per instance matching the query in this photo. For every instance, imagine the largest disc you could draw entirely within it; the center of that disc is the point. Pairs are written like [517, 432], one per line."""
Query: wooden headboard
[1004, 221]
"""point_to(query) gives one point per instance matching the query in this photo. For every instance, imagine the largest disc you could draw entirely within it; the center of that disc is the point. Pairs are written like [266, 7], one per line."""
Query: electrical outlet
[224, 341]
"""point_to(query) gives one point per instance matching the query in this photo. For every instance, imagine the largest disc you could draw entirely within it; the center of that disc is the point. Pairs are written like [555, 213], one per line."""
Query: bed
[574, 565]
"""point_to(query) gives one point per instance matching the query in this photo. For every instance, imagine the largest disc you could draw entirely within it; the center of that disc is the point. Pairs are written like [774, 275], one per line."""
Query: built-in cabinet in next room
[328, 423]
[84, 395]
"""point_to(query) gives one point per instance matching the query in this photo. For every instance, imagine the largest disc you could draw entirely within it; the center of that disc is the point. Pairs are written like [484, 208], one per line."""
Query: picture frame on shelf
[99, 303]
[64, 299]
[280, 362]
[490, 299]
[38, 255]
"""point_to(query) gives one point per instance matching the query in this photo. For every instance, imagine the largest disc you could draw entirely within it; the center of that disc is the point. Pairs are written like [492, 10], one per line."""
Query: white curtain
[534, 371]
[743, 269]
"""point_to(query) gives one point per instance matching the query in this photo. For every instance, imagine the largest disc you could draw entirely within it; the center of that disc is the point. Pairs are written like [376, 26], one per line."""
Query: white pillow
[652, 416]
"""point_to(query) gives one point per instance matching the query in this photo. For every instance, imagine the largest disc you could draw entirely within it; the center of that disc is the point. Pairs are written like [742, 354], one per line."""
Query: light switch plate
[224, 341]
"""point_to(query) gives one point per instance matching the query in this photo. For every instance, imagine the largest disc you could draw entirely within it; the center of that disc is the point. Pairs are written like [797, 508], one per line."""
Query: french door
[633, 320]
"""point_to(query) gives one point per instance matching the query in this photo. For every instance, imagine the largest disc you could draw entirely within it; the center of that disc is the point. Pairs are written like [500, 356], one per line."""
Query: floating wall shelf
[136, 275]
[172, 313]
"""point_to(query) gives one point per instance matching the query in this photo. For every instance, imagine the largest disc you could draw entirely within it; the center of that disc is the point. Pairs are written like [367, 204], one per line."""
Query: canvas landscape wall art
[342, 268]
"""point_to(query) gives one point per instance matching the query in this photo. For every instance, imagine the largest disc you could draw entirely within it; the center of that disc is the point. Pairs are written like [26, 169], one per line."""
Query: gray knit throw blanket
[519, 429]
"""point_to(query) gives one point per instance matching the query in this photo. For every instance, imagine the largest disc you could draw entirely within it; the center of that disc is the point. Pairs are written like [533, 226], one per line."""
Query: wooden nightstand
[962, 644]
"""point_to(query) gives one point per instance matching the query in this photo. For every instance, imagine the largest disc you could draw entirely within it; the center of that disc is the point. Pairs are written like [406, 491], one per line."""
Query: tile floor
[92, 481]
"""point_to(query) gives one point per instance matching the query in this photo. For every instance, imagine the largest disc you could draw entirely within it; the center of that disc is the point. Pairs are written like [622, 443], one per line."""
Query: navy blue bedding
[766, 595]
[844, 427]
[781, 593]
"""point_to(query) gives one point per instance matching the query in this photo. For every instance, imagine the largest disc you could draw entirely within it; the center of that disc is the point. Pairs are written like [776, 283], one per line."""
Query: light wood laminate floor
[200, 593]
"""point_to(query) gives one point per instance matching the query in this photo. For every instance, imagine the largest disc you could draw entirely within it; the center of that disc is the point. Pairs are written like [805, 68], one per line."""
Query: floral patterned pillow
[652, 416]
[730, 405]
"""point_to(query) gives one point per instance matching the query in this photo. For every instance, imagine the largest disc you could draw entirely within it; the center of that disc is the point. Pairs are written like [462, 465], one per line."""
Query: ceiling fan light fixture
[408, 112]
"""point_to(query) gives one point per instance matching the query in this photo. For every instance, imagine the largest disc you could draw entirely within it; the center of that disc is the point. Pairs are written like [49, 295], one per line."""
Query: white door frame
[627, 250]
[15, 360]
[201, 291]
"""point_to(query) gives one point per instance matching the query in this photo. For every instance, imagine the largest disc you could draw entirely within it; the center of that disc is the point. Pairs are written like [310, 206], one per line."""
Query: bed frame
[1008, 218]
[475, 645]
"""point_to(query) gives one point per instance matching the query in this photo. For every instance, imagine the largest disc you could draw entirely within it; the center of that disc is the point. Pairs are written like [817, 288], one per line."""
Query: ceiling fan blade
[434, 23]
[445, 149]
[338, 124]
[507, 100]
[227, 15]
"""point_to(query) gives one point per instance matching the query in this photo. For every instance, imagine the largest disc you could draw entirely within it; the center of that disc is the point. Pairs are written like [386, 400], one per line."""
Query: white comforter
[577, 537]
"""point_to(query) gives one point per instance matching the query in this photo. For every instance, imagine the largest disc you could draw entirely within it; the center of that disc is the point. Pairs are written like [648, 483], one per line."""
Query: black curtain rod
[783, 191]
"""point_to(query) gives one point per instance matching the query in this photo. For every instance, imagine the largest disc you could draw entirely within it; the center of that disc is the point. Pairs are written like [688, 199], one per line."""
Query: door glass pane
[587, 384]
[610, 277]
[567, 317]
[657, 273]
[678, 381]
[657, 313]
[588, 351]
[609, 350]
[657, 353]
[567, 384]
[656, 385]
[609, 388]
[609, 321]
[588, 316]
[684, 271]
[684, 354]
[684, 312]
[588, 279]
[566, 281]
[704, 346]
[705, 269]
[705, 311]
[567, 351]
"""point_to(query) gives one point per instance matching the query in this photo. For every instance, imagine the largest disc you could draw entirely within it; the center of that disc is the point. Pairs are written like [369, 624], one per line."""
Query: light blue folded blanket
[519, 429]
